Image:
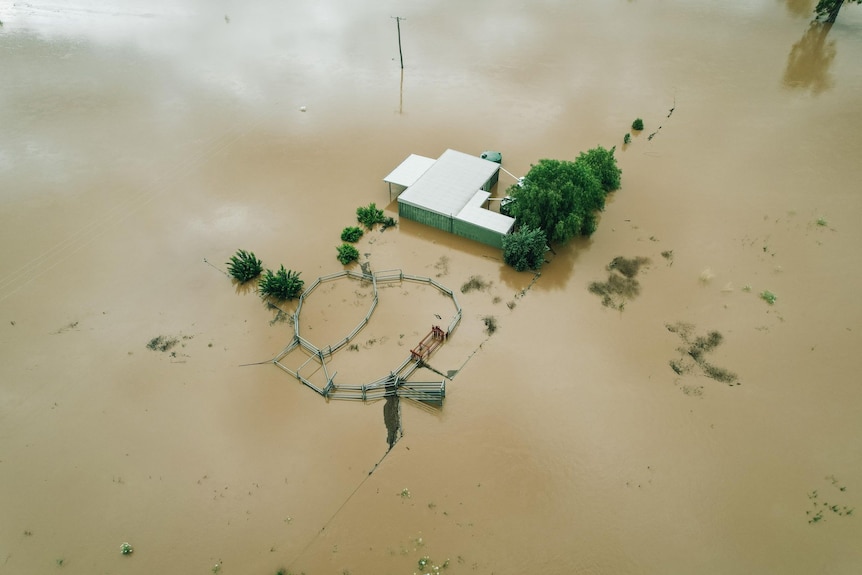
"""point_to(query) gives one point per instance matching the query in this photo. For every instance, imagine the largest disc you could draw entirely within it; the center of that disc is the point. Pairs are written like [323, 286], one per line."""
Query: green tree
[560, 198]
[830, 8]
[525, 249]
[604, 167]
[283, 284]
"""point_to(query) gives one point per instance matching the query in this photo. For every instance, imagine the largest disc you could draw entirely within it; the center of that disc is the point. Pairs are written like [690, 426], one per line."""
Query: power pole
[398, 20]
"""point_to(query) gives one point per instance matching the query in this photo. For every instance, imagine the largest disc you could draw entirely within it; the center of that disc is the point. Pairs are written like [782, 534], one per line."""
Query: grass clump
[638, 124]
[627, 139]
[768, 297]
[162, 343]
[693, 353]
[347, 253]
[244, 266]
[281, 285]
[628, 267]
[490, 324]
[351, 234]
[474, 283]
[621, 284]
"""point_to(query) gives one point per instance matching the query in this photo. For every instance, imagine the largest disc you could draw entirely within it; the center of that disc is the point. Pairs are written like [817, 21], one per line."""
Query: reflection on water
[801, 8]
[809, 60]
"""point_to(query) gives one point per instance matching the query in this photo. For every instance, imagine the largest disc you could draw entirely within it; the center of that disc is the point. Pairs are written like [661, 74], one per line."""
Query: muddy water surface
[143, 143]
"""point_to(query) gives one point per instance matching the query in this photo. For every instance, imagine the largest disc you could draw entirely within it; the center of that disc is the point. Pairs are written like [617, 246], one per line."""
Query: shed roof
[475, 214]
[409, 170]
[449, 183]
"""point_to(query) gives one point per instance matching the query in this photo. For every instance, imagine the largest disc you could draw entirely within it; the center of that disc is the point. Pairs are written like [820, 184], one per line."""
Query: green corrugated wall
[425, 217]
[479, 234]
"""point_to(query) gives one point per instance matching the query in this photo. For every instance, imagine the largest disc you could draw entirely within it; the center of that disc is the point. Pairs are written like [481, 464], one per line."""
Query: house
[450, 194]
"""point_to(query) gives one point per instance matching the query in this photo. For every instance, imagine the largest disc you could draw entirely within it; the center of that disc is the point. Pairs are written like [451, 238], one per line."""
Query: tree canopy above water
[561, 198]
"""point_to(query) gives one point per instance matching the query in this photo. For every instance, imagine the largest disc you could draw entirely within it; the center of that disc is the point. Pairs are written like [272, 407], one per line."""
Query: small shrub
[389, 222]
[244, 266]
[822, 222]
[638, 125]
[370, 215]
[351, 234]
[126, 549]
[627, 139]
[768, 297]
[283, 284]
[347, 253]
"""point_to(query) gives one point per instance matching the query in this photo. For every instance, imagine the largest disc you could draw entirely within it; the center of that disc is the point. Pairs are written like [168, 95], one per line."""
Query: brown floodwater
[143, 143]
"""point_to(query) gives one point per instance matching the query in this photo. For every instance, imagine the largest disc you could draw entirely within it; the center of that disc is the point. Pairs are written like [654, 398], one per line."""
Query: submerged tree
[829, 9]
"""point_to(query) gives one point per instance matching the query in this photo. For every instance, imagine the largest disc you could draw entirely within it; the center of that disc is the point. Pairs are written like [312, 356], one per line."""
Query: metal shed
[449, 195]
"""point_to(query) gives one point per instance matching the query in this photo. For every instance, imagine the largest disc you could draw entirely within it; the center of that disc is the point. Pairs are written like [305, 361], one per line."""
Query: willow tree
[830, 8]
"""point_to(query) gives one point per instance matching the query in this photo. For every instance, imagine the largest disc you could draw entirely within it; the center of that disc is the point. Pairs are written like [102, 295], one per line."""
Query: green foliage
[560, 198]
[768, 297]
[370, 215]
[604, 167]
[347, 253]
[525, 248]
[244, 266]
[627, 139]
[830, 8]
[282, 285]
[126, 549]
[638, 125]
[351, 234]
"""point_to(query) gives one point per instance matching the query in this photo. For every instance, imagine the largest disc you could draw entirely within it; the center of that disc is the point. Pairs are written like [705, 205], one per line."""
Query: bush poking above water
[347, 253]
[244, 266]
[370, 215]
[768, 297]
[638, 125]
[351, 234]
[282, 285]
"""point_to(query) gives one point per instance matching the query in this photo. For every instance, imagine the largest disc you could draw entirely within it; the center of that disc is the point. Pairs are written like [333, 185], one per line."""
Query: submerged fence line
[395, 383]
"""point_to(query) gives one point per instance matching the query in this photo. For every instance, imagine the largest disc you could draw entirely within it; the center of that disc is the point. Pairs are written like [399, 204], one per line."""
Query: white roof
[449, 183]
[409, 170]
[475, 214]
